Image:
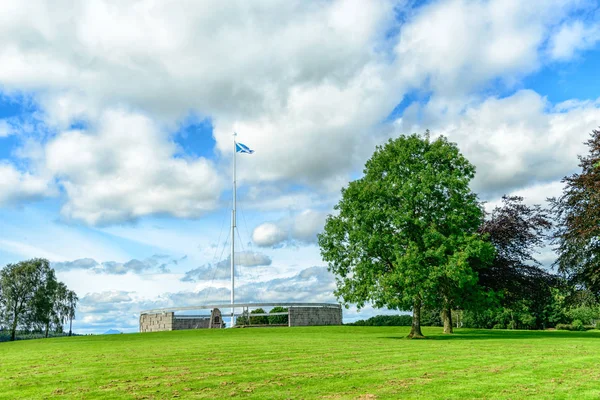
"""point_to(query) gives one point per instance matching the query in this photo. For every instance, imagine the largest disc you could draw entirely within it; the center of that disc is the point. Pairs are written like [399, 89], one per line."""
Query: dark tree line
[411, 235]
[33, 300]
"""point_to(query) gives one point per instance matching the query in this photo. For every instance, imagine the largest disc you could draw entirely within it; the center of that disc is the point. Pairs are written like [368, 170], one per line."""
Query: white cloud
[5, 128]
[157, 263]
[17, 186]
[517, 141]
[301, 228]
[268, 234]
[306, 85]
[126, 170]
[573, 37]
[458, 45]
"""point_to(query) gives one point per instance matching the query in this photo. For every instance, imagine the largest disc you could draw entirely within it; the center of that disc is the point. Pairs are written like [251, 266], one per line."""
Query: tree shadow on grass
[499, 334]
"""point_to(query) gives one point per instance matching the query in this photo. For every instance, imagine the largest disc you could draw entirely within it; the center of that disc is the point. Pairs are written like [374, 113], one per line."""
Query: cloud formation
[516, 141]
[301, 228]
[126, 169]
[309, 101]
[222, 269]
[158, 263]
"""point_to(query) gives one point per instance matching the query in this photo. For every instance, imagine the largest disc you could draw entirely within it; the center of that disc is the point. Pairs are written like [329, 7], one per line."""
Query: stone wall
[311, 316]
[167, 321]
[156, 322]
[298, 316]
[191, 323]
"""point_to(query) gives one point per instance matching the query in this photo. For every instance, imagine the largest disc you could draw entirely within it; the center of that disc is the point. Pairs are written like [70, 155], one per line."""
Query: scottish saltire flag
[242, 148]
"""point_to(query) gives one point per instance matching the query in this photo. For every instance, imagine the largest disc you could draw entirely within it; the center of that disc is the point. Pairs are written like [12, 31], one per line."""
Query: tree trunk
[13, 332]
[415, 330]
[47, 329]
[70, 325]
[447, 318]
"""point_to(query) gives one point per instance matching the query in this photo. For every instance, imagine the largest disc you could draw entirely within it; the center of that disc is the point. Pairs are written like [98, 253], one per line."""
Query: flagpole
[233, 222]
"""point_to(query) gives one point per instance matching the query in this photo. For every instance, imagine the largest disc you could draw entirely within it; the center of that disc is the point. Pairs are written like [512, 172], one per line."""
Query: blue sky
[116, 130]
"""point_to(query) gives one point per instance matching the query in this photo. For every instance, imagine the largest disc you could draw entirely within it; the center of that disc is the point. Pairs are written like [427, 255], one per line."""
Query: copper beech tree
[577, 213]
[405, 235]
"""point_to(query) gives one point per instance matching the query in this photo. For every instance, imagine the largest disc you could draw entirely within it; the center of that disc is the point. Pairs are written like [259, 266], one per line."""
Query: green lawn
[297, 363]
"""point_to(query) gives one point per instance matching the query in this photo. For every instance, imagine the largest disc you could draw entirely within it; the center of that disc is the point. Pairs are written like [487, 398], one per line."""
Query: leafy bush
[278, 319]
[242, 319]
[385, 320]
[431, 318]
[5, 337]
[499, 326]
[578, 325]
[564, 327]
[260, 320]
[585, 314]
[598, 325]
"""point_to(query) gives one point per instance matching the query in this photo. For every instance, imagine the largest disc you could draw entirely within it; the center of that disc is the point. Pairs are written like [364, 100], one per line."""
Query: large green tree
[32, 298]
[20, 284]
[405, 234]
[577, 212]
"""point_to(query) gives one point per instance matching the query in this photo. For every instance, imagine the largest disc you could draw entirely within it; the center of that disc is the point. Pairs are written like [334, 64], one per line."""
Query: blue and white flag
[242, 148]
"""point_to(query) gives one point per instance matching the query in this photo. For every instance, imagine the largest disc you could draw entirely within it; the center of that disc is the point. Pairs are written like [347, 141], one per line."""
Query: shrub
[242, 319]
[584, 314]
[278, 319]
[598, 325]
[385, 320]
[431, 318]
[260, 320]
[578, 325]
[564, 327]
[499, 326]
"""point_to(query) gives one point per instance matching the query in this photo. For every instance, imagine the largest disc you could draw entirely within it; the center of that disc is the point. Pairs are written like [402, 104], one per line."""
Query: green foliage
[243, 319]
[278, 319]
[32, 299]
[598, 325]
[518, 317]
[586, 314]
[385, 320]
[406, 233]
[564, 327]
[258, 320]
[575, 326]
[431, 318]
[578, 325]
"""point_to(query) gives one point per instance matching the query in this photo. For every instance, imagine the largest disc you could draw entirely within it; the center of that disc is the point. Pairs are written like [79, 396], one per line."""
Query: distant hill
[112, 332]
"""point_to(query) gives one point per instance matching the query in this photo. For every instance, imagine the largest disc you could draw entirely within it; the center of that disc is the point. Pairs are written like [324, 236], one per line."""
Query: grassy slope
[316, 362]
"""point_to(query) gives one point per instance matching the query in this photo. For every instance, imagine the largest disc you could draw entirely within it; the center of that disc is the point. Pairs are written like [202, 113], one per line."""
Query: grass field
[295, 363]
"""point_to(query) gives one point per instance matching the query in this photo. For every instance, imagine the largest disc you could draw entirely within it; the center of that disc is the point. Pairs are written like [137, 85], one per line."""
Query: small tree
[71, 303]
[243, 319]
[405, 235]
[278, 319]
[258, 320]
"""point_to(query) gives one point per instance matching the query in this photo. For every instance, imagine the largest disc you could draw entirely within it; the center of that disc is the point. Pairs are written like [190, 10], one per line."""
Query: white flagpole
[233, 222]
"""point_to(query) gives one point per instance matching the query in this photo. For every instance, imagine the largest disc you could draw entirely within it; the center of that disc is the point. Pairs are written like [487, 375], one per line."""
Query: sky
[117, 121]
